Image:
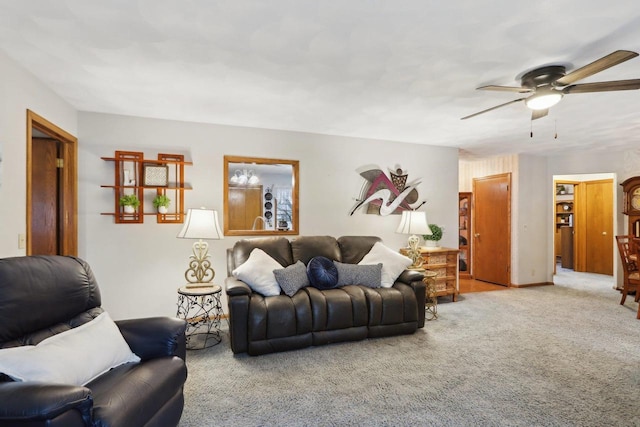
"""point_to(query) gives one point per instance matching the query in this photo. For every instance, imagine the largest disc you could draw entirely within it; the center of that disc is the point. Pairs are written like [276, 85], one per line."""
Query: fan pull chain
[556, 129]
[531, 123]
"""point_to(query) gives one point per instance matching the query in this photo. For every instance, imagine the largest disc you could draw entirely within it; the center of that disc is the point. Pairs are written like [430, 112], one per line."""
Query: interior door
[52, 188]
[492, 229]
[594, 237]
[245, 207]
[45, 186]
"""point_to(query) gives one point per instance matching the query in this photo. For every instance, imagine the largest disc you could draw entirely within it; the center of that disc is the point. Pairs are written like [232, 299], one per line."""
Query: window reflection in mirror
[260, 196]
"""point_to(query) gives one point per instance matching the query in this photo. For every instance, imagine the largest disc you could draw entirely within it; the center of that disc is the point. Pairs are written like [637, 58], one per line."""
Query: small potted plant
[130, 202]
[432, 239]
[161, 202]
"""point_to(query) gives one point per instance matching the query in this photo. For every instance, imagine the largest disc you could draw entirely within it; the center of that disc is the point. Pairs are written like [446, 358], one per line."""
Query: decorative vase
[129, 209]
[431, 243]
[163, 209]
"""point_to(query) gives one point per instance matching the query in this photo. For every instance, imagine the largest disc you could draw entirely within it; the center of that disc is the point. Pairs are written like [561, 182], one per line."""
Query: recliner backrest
[304, 248]
[354, 248]
[277, 248]
[44, 294]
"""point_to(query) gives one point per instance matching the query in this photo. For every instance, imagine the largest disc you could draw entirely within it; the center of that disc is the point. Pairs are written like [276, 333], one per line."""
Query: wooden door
[245, 205]
[594, 227]
[45, 186]
[41, 185]
[492, 229]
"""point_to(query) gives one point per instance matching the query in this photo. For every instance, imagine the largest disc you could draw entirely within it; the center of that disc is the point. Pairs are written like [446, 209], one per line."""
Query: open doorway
[584, 209]
[52, 190]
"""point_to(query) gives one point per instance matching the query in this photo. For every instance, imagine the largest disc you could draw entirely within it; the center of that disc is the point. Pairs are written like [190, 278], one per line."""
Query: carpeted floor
[564, 355]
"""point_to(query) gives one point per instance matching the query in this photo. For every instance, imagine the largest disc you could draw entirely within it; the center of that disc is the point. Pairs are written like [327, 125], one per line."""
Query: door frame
[584, 177]
[69, 176]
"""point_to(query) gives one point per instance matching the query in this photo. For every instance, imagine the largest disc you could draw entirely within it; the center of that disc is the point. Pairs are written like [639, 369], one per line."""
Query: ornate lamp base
[199, 273]
[414, 253]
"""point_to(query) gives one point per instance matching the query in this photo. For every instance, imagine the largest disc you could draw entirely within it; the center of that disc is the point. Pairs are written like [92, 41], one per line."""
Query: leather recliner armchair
[41, 296]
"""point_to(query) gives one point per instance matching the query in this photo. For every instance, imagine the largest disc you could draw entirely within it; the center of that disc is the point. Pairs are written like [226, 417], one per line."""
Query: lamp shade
[201, 224]
[414, 222]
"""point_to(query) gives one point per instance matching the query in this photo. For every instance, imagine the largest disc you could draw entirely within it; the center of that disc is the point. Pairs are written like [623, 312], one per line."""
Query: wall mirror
[260, 196]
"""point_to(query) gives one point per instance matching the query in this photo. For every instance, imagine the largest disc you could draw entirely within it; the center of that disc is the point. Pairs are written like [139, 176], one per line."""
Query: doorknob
[476, 235]
[604, 233]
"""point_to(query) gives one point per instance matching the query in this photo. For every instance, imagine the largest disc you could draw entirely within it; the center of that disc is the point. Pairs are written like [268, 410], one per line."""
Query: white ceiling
[403, 70]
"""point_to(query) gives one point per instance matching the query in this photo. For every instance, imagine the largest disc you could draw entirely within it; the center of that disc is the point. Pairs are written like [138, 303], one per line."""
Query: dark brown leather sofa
[41, 296]
[260, 325]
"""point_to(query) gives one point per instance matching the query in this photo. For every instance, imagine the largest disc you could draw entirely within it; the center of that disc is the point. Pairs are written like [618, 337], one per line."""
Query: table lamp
[415, 224]
[200, 224]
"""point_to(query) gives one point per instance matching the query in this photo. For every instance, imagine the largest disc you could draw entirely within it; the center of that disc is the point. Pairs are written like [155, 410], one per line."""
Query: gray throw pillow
[292, 278]
[355, 274]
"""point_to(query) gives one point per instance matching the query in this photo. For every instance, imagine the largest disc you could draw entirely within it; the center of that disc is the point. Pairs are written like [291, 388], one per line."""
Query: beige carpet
[564, 355]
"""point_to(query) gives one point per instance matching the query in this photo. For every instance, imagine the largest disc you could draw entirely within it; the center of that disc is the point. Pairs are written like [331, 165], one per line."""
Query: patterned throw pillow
[322, 273]
[293, 278]
[354, 274]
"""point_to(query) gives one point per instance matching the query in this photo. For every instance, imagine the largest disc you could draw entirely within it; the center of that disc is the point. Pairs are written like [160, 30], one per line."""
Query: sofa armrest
[235, 287]
[414, 278]
[155, 337]
[34, 403]
[409, 276]
[238, 297]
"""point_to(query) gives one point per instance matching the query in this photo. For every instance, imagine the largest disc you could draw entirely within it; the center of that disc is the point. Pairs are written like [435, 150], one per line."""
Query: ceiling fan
[547, 85]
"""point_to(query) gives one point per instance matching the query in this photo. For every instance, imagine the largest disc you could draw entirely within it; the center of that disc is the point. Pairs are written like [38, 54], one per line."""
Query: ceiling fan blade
[603, 86]
[506, 88]
[596, 66]
[538, 114]
[492, 108]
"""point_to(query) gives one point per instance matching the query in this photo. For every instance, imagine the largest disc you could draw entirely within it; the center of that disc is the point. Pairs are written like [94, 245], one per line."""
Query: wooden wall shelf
[129, 168]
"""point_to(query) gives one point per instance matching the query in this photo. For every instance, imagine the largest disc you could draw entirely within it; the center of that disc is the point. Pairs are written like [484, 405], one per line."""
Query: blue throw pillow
[322, 273]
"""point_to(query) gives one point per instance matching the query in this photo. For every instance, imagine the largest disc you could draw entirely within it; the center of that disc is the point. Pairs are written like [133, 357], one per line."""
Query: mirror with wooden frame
[260, 196]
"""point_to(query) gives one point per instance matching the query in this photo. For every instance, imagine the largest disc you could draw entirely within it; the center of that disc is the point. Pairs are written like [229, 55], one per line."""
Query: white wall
[139, 266]
[20, 91]
[528, 208]
[531, 200]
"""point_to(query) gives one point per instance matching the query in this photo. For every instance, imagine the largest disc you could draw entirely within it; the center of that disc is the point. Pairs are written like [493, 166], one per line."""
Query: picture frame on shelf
[155, 175]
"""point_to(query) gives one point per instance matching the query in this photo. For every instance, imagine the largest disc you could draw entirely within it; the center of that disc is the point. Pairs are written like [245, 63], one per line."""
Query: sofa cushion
[73, 357]
[339, 308]
[278, 317]
[292, 278]
[257, 272]
[354, 248]
[277, 248]
[304, 248]
[393, 263]
[354, 274]
[322, 273]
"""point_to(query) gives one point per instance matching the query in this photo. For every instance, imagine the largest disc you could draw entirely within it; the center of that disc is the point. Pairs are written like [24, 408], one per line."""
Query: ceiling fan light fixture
[542, 101]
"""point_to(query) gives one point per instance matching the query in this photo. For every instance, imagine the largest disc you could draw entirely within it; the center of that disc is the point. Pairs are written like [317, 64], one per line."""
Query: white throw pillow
[75, 357]
[393, 262]
[257, 272]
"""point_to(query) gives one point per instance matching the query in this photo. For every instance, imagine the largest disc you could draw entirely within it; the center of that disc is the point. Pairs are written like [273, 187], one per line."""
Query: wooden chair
[629, 256]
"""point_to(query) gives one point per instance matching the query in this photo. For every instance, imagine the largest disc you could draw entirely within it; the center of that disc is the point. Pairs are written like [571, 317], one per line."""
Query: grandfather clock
[631, 204]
